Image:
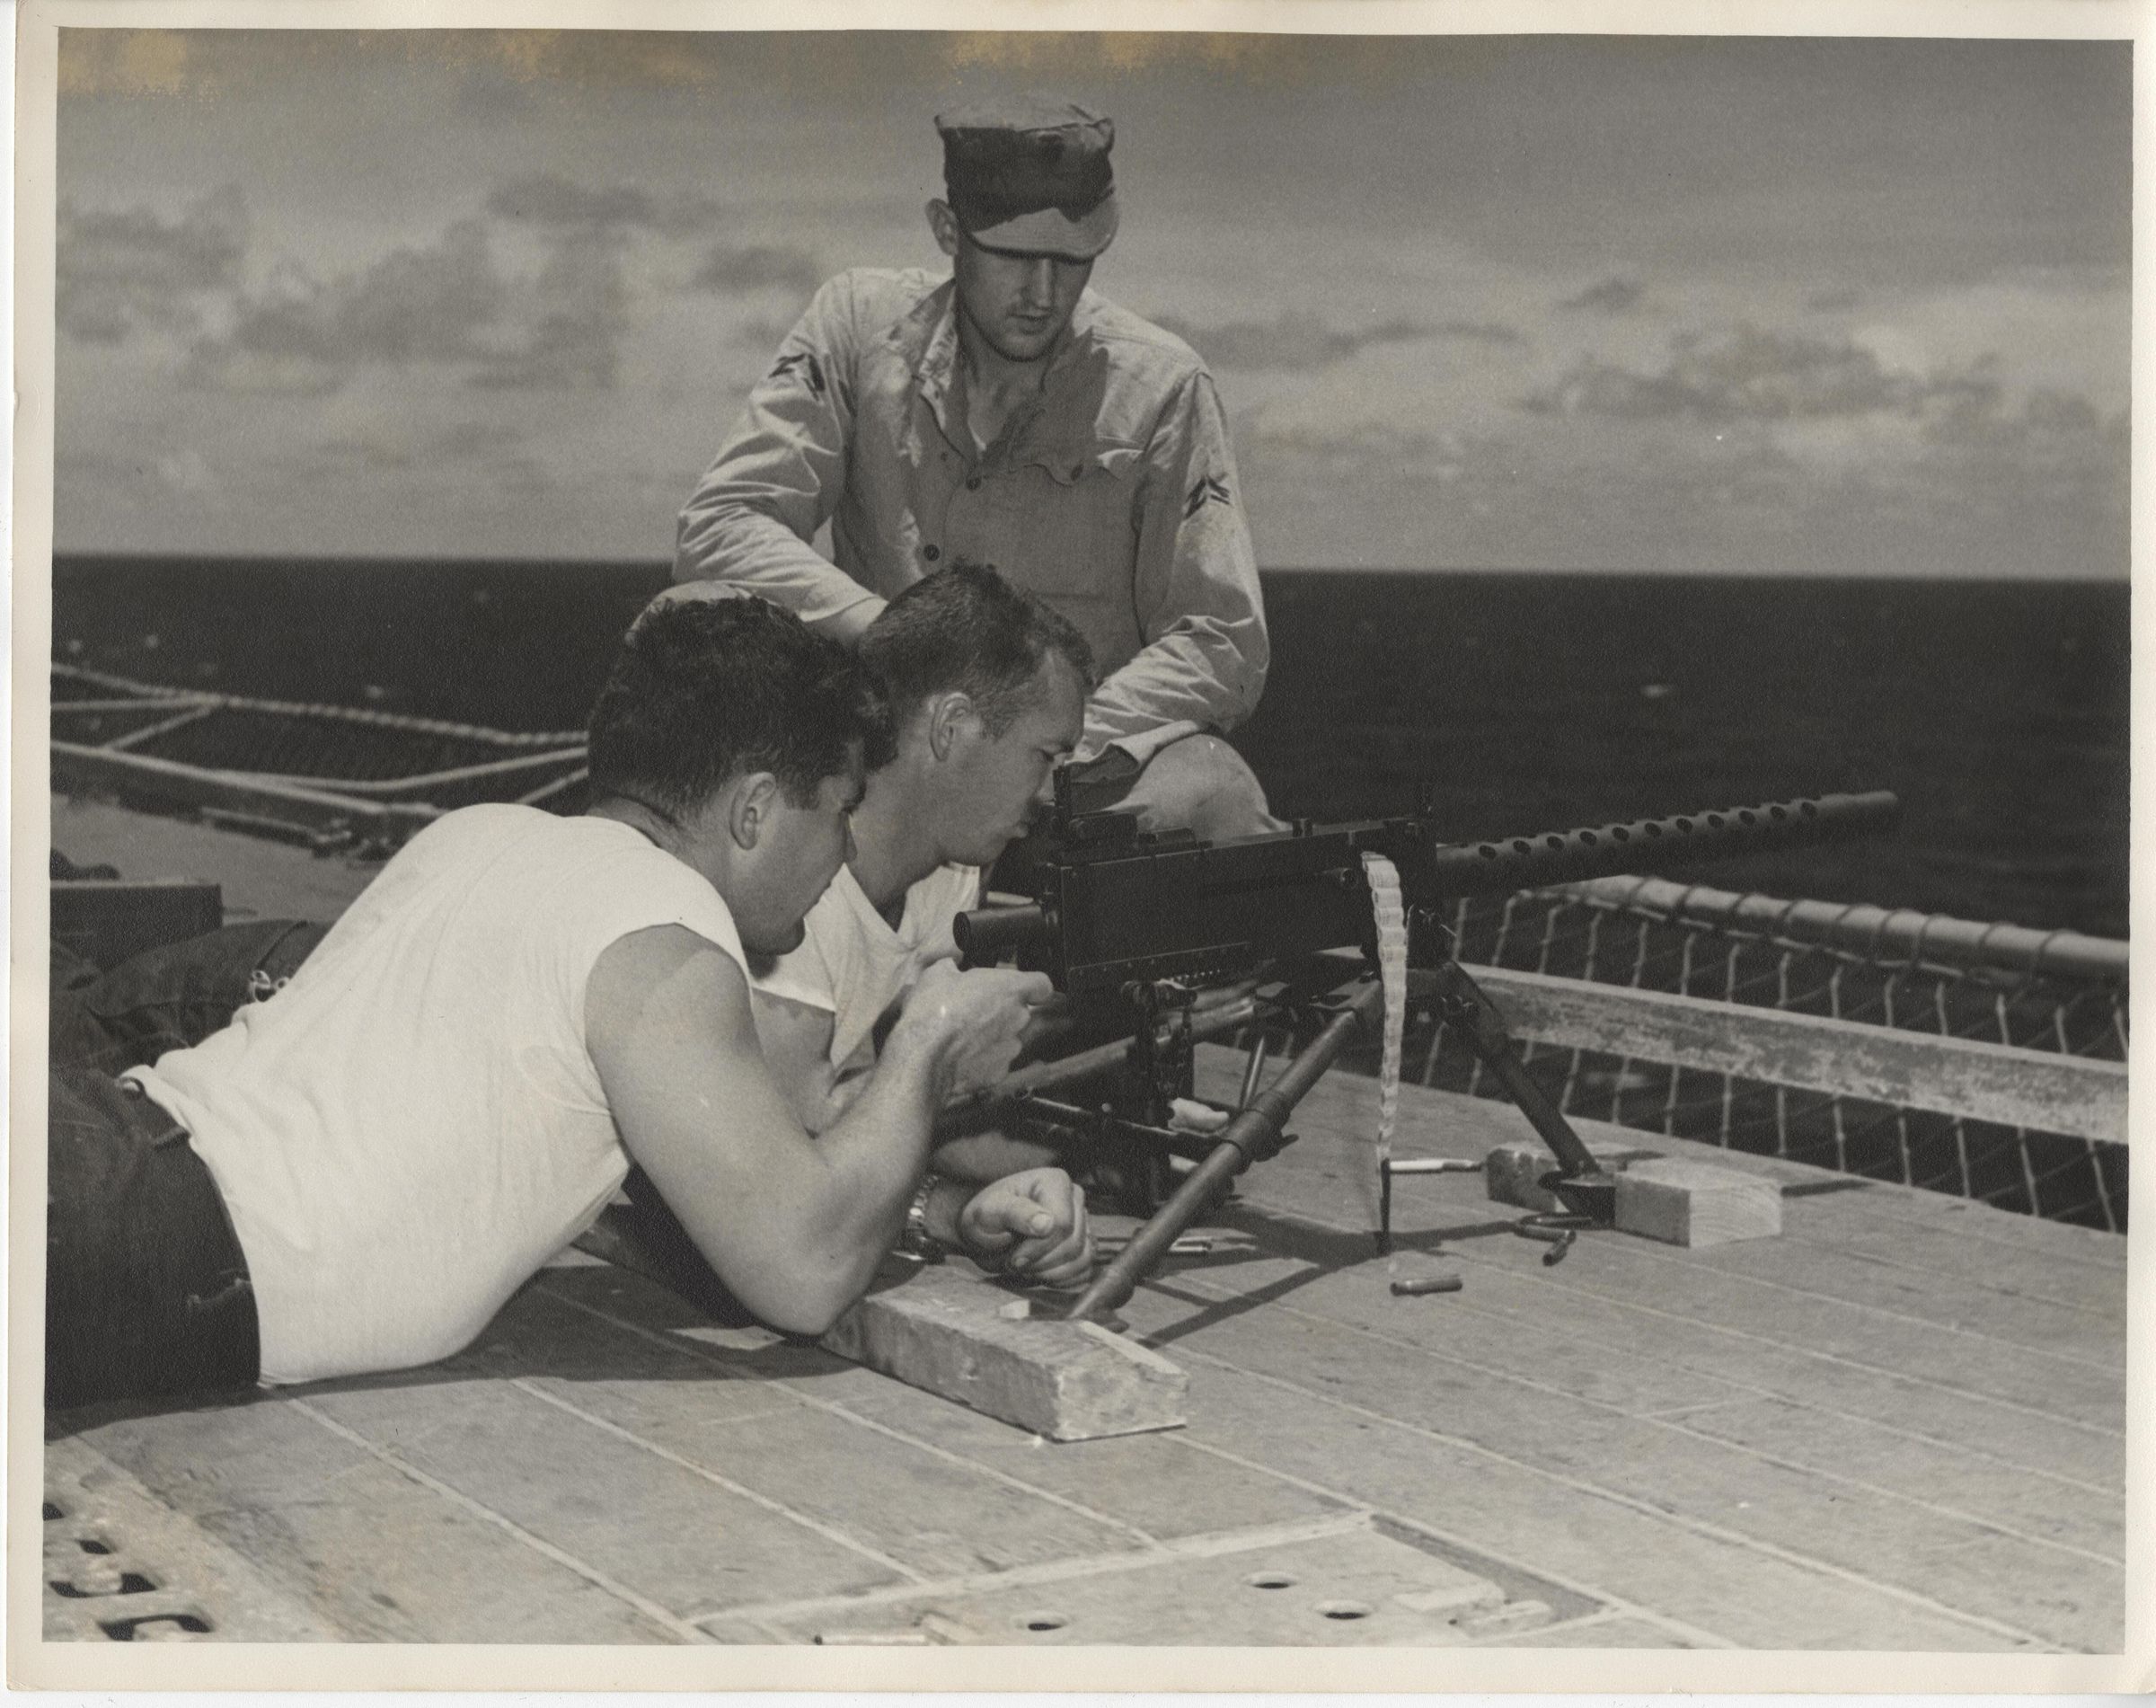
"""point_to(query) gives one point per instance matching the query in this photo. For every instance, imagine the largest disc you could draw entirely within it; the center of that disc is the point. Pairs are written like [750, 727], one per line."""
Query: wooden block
[1696, 1204]
[940, 1330]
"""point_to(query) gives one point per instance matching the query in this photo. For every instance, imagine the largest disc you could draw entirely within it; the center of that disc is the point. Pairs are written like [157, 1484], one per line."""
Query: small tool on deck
[1388, 1167]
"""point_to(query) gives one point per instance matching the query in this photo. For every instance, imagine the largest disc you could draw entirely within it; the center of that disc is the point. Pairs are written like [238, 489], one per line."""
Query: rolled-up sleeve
[778, 477]
[1199, 608]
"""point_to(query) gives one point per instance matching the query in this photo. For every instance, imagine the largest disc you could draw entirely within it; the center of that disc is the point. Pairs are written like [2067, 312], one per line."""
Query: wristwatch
[914, 1240]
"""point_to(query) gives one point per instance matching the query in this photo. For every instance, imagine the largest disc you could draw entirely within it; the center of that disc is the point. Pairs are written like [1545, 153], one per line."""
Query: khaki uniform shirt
[1113, 496]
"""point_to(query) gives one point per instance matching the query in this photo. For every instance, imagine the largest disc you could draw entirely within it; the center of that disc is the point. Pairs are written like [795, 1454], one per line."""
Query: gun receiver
[1115, 907]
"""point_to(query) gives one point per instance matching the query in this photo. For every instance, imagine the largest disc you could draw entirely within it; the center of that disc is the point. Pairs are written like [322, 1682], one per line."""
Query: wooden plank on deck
[929, 1511]
[379, 1554]
[1840, 1522]
[660, 1528]
[1535, 1518]
[2037, 1089]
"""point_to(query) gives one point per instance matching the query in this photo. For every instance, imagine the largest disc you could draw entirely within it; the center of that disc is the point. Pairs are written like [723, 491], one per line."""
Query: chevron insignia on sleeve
[804, 363]
[1208, 490]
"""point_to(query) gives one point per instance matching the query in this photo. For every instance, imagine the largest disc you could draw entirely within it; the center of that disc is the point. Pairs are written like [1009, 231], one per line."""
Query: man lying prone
[354, 1174]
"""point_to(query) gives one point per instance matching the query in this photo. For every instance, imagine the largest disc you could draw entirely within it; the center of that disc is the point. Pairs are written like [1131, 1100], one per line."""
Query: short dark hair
[965, 627]
[707, 690]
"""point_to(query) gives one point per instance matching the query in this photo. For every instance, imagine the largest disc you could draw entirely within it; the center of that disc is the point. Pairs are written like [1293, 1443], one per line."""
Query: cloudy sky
[1771, 306]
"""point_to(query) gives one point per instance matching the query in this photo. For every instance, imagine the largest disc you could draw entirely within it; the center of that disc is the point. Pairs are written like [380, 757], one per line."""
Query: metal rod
[1485, 1031]
[1252, 1073]
[1252, 1130]
[1039, 1076]
[76, 765]
[1878, 932]
[163, 726]
[1573, 1157]
[547, 791]
[481, 771]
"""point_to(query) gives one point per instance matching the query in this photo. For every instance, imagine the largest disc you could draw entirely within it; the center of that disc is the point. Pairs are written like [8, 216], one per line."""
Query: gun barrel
[1654, 845]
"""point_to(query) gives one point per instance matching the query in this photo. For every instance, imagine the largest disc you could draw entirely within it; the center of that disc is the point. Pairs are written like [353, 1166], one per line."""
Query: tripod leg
[1582, 1182]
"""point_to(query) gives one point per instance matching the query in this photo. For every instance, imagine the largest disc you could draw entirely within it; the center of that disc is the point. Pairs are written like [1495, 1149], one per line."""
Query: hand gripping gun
[1152, 926]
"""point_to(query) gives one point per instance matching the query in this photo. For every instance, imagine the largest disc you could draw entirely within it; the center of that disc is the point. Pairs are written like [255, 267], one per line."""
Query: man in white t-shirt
[987, 688]
[356, 1173]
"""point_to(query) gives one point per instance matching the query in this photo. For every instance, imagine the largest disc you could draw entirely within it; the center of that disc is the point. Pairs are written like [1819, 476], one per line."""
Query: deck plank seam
[830, 1532]
[1747, 1392]
[1934, 1207]
[1205, 1544]
[1650, 1252]
[712, 1355]
[1661, 1515]
[1934, 1218]
[1336, 1324]
[1613, 1600]
[683, 1630]
[1586, 1622]
[2105, 1315]
[1545, 1277]
[2104, 1366]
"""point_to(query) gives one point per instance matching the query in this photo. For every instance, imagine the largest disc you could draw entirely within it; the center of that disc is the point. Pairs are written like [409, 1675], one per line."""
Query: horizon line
[625, 564]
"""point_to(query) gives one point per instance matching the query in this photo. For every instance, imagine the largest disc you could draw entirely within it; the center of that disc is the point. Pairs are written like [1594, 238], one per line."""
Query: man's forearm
[730, 540]
[876, 1155]
[1180, 683]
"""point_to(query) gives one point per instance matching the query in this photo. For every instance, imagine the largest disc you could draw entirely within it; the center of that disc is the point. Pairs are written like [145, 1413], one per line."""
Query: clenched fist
[1031, 1225]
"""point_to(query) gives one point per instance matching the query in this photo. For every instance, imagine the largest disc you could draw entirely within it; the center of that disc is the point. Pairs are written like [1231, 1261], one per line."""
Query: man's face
[800, 852]
[1018, 304]
[993, 781]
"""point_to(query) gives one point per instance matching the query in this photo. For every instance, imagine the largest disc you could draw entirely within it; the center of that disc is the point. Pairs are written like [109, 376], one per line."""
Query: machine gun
[1138, 929]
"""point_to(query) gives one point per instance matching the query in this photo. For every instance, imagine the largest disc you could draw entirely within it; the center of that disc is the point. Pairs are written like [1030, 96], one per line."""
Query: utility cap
[1030, 174]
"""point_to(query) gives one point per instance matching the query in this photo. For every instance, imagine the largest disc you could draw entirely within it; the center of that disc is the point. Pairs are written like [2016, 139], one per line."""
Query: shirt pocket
[1072, 532]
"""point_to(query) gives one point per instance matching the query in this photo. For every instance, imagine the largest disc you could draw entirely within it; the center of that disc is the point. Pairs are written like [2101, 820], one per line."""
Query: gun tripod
[1158, 1060]
[1587, 1191]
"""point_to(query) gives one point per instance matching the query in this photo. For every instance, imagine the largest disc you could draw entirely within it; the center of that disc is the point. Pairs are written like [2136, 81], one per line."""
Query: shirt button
[931, 552]
[974, 484]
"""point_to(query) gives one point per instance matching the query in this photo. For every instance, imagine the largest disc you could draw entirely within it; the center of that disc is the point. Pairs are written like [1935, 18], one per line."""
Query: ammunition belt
[1392, 921]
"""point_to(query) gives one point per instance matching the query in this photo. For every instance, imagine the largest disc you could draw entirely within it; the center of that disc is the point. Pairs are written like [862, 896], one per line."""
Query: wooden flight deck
[1898, 1425]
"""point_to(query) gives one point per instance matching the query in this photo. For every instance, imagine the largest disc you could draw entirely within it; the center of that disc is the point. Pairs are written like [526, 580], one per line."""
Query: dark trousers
[146, 1291]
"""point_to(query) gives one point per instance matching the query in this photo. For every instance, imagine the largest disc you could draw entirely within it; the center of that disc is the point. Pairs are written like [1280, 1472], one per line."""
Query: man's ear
[946, 714]
[944, 224]
[750, 806]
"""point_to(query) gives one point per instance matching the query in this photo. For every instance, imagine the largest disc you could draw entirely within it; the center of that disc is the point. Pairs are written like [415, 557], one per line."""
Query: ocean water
[1999, 712]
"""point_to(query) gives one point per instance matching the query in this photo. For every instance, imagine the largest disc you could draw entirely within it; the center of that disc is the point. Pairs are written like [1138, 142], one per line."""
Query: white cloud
[118, 270]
